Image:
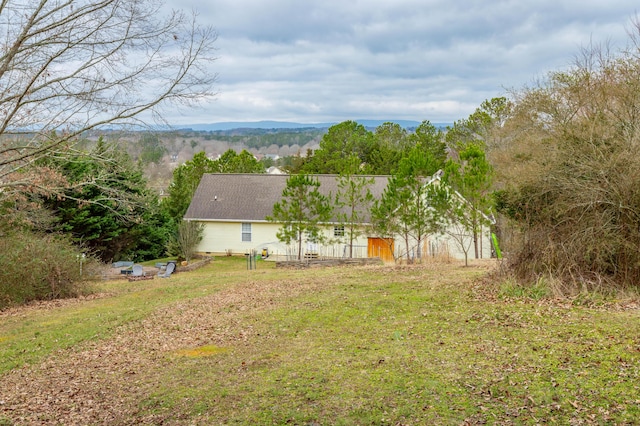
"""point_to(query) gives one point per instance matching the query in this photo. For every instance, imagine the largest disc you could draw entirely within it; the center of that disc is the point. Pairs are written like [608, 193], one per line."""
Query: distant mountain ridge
[231, 125]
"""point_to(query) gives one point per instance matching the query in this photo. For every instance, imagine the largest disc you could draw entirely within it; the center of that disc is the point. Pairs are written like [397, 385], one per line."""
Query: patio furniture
[171, 266]
[138, 274]
[137, 271]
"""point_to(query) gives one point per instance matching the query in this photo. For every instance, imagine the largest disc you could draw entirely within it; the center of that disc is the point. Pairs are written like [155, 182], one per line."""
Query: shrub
[184, 242]
[572, 175]
[39, 267]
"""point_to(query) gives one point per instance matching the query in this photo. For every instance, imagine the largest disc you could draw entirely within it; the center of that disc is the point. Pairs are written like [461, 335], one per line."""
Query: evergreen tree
[390, 141]
[186, 179]
[107, 206]
[432, 142]
[301, 212]
[245, 162]
[407, 206]
[152, 149]
[471, 176]
[338, 145]
[354, 197]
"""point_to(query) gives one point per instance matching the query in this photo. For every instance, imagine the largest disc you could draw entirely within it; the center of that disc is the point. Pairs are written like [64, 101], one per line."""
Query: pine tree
[355, 198]
[301, 212]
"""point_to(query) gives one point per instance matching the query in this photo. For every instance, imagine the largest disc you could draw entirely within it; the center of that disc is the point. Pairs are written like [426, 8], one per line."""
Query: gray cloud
[333, 60]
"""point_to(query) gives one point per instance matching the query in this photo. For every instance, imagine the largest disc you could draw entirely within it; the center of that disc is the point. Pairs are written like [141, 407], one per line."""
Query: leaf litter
[102, 382]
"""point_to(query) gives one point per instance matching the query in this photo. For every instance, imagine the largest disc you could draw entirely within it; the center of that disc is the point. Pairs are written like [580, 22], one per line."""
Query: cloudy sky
[333, 60]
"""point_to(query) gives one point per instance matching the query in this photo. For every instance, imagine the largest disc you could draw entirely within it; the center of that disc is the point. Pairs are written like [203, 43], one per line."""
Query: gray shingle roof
[250, 197]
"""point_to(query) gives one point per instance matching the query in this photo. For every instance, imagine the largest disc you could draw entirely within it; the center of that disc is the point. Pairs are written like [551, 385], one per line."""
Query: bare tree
[68, 67]
[187, 237]
[574, 181]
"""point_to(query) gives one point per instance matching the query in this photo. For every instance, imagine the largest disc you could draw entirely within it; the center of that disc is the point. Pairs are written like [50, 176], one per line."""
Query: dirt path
[104, 382]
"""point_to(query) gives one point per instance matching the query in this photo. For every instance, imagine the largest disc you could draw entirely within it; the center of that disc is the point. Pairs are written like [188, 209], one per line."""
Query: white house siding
[338, 246]
[221, 238]
[445, 245]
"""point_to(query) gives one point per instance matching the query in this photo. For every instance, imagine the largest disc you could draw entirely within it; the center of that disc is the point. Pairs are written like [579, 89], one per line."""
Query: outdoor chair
[167, 272]
[137, 271]
[138, 274]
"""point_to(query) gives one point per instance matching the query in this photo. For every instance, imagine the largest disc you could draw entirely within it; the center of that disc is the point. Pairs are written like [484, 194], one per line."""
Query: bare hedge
[40, 267]
[571, 174]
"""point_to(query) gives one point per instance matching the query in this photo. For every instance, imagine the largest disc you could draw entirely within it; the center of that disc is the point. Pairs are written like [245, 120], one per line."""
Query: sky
[317, 61]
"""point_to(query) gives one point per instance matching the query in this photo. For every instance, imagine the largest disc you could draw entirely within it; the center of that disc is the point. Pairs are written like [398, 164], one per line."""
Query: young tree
[301, 212]
[74, 66]
[389, 215]
[353, 200]
[459, 222]
[408, 205]
[470, 178]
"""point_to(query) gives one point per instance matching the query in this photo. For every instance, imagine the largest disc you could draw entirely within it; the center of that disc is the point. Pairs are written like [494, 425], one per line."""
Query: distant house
[273, 170]
[234, 208]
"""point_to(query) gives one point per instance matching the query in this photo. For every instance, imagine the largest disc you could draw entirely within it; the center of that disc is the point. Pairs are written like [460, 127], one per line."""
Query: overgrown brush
[40, 267]
[572, 175]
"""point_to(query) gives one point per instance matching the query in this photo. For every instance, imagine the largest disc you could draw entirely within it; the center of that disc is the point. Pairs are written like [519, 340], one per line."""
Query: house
[234, 208]
[273, 170]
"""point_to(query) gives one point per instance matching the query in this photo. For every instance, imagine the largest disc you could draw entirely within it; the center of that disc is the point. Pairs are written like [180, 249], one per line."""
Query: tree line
[427, 193]
[261, 138]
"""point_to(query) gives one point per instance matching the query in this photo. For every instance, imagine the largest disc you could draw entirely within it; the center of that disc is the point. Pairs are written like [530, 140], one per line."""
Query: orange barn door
[381, 247]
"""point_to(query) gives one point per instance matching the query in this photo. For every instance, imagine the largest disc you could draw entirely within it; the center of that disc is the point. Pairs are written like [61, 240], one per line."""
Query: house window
[338, 231]
[246, 232]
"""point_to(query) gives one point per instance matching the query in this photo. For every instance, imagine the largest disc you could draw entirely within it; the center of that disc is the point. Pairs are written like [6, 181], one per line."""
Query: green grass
[360, 346]
[153, 262]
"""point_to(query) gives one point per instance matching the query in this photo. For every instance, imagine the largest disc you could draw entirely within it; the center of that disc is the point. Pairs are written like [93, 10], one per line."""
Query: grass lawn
[369, 345]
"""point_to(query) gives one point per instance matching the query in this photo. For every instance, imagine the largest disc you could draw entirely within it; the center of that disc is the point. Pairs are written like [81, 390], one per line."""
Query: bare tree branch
[67, 67]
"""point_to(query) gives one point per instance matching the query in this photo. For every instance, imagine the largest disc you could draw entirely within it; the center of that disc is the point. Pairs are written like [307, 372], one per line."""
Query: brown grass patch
[202, 351]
